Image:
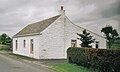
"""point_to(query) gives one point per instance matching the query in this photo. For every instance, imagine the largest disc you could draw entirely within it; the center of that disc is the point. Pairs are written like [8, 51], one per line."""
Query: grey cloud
[101, 9]
[109, 10]
[16, 14]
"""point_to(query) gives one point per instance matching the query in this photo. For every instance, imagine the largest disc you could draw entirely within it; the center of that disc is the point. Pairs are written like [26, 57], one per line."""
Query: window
[24, 43]
[31, 46]
[16, 44]
[73, 43]
[97, 44]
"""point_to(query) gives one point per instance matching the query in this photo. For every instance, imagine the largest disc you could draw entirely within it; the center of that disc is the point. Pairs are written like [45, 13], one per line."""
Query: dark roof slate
[36, 27]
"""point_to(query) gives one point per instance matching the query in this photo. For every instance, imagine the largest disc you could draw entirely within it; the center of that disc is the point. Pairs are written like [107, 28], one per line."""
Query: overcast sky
[16, 14]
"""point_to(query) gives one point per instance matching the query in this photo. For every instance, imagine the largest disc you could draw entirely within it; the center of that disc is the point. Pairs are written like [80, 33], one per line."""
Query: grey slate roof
[37, 27]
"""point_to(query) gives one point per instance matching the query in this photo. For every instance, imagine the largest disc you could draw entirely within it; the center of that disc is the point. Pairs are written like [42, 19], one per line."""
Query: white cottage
[50, 38]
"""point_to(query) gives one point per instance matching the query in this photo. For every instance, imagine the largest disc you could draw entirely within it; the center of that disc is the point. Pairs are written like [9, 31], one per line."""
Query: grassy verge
[4, 52]
[16, 56]
[70, 68]
[4, 47]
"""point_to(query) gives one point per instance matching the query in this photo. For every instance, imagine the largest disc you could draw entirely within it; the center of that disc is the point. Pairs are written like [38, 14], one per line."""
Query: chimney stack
[62, 11]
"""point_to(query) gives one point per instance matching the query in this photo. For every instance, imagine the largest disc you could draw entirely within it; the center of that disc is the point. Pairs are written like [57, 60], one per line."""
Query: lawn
[4, 47]
[70, 68]
[115, 46]
[1, 45]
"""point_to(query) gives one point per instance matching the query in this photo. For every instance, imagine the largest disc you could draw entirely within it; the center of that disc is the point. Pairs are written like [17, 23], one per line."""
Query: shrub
[104, 60]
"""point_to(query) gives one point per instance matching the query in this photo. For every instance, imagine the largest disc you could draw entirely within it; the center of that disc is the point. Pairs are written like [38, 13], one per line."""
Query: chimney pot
[62, 11]
[61, 7]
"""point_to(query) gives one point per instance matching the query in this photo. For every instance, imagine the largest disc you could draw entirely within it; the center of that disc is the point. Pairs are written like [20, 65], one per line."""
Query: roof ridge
[44, 19]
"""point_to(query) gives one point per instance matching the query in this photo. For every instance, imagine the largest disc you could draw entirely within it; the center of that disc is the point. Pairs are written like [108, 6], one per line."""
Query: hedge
[102, 60]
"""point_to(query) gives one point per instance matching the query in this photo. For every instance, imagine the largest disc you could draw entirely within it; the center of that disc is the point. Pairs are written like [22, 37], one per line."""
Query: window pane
[24, 43]
[16, 44]
[73, 43]
[31, 46]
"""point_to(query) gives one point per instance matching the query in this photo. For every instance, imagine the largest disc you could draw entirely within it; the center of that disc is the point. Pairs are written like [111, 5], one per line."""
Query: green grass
[15, 56]
[70, 68]
[116, 46]
[4, 47]
[4, 52]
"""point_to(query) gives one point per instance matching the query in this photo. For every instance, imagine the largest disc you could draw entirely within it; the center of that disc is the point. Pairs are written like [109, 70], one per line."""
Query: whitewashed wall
[56, 39]
[71, 33]
[26, 51]
[52, 41]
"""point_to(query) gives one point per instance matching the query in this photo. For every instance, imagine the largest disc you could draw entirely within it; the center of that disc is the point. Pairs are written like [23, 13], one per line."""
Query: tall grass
[70, 68]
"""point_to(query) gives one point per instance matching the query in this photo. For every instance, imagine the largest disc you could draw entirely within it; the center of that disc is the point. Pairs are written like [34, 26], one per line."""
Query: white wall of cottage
[52, 41]
[26, 51]
[71, 31]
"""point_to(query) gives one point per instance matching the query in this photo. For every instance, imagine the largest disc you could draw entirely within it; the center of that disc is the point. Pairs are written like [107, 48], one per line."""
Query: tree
[5, 39]
[110, 34]
[86, 39]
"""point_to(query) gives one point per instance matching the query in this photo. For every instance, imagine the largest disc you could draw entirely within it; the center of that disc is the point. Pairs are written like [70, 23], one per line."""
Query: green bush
[104, 60]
